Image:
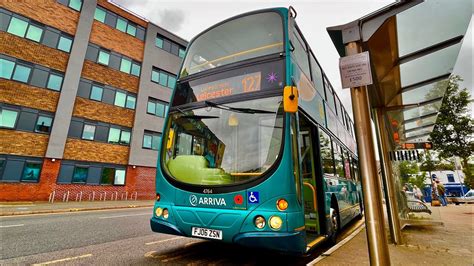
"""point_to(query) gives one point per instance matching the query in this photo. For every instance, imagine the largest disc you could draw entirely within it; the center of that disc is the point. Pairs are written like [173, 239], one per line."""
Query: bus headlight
[259, 222]
[158, 212]
[275, 222]
[165, 213]
[282, 204]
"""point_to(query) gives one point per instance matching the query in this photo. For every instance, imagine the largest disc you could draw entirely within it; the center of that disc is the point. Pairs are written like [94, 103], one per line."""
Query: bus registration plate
[207, 233]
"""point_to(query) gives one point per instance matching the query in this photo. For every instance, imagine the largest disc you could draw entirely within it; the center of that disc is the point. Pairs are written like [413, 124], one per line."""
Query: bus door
[309, 170]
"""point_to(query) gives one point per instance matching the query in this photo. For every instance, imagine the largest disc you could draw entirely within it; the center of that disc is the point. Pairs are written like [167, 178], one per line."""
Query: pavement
[449, 244]
[23, 208]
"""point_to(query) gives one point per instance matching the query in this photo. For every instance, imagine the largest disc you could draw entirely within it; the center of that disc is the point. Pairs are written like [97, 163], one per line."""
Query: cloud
[171, 19]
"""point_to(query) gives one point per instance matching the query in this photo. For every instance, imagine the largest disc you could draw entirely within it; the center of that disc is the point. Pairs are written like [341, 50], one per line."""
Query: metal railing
[79, 196]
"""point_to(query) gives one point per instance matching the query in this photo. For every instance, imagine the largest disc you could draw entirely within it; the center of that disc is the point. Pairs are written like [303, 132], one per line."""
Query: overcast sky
[188, 18]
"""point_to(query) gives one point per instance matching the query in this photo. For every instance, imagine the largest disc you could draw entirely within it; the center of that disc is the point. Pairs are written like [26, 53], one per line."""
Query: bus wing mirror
[290, 99]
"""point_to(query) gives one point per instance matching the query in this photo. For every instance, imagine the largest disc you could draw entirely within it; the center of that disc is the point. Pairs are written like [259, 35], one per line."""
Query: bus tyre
[334, 215]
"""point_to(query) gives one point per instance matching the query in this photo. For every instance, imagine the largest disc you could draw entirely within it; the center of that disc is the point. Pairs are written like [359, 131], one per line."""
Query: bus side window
[300, 54]
[326, 153]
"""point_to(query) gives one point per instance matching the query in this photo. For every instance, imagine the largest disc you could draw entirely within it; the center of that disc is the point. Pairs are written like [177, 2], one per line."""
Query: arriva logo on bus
[194, 200]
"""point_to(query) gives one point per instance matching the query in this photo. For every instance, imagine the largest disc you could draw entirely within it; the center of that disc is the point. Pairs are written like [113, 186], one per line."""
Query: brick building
[84, 88]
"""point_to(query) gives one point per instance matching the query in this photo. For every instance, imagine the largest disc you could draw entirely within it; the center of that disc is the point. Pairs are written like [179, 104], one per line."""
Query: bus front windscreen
[224, 144]
[233, 41]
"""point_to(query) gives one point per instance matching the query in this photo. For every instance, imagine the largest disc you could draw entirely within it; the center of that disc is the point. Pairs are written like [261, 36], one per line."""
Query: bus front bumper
[288, 242]
[164, 227]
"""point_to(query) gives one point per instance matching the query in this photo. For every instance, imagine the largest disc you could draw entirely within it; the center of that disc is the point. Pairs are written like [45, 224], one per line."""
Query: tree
[419, 180]
[407, 169]
[454, 129]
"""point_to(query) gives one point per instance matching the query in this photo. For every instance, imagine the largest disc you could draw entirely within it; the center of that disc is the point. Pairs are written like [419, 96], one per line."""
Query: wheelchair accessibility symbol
[253, 197]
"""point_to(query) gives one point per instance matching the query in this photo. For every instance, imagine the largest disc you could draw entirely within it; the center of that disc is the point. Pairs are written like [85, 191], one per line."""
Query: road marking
[125, 215]
[12, 225]
[162, 241]
[65, 259]
[337, 246]
[69, 212]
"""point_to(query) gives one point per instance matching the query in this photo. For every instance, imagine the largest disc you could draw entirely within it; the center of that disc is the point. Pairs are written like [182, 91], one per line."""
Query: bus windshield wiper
[238, 109]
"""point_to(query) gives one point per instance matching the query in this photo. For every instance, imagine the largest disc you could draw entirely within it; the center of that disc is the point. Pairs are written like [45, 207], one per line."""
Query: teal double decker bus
[257, 149]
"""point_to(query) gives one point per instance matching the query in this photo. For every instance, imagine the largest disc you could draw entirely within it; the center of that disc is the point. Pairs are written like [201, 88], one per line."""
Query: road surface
[118, 237]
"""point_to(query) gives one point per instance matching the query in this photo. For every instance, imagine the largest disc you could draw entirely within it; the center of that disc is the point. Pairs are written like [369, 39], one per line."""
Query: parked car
[467, 198]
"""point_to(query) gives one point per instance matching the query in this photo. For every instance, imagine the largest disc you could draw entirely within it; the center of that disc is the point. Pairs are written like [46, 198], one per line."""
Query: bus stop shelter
[413, 47]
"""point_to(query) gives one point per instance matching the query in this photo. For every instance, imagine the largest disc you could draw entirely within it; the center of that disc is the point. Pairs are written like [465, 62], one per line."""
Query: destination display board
[229, 86]
[238, 81]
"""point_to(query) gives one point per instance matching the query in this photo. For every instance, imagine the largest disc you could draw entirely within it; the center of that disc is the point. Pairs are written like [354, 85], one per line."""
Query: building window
[151, 140]
[108, 175]
[120, 99]
[169, 46]
[25, 119]
[74, 4]
[31, 172]
[99, 14]
[119, 23]
[96, 93]
[43, 124]
[22, 73]
[88, 132]
[106, 94]
[163, 78]
[156, 107]
[7, 68]
[118, 136]
[17, 27]
[113, 60]
[19, 169]
[112, 176]
[80, 174]
[34, 75]
[124, 100]
[131, 100]
[450, 178]
[65, 44]
[182, 52]
[55, 82]
[99, 131]
[34, 31]
[103, 57]
[91, 173]
[8, 118]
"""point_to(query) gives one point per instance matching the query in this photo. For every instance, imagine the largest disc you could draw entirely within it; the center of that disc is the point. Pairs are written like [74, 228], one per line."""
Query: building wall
[154, 56]
[54, 148]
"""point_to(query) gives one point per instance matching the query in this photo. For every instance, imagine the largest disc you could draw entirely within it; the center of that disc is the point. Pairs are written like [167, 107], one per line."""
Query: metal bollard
[105, 195]
[80, 198]
[93, 195]
[67, 197]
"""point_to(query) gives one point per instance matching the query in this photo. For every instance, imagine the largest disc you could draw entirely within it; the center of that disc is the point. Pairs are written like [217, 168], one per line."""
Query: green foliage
[418, 180]
[428, 163]
[454, 126]
[407, 169]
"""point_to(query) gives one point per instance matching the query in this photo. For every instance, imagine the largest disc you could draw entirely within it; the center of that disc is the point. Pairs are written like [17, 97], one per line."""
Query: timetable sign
[355, 70]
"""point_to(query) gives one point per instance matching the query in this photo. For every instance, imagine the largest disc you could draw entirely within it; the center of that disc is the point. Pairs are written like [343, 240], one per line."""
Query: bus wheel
[334, 225]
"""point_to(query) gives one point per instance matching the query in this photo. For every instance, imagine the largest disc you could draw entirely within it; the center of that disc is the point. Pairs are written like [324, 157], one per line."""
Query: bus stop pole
[388, 178]
[374, 220]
